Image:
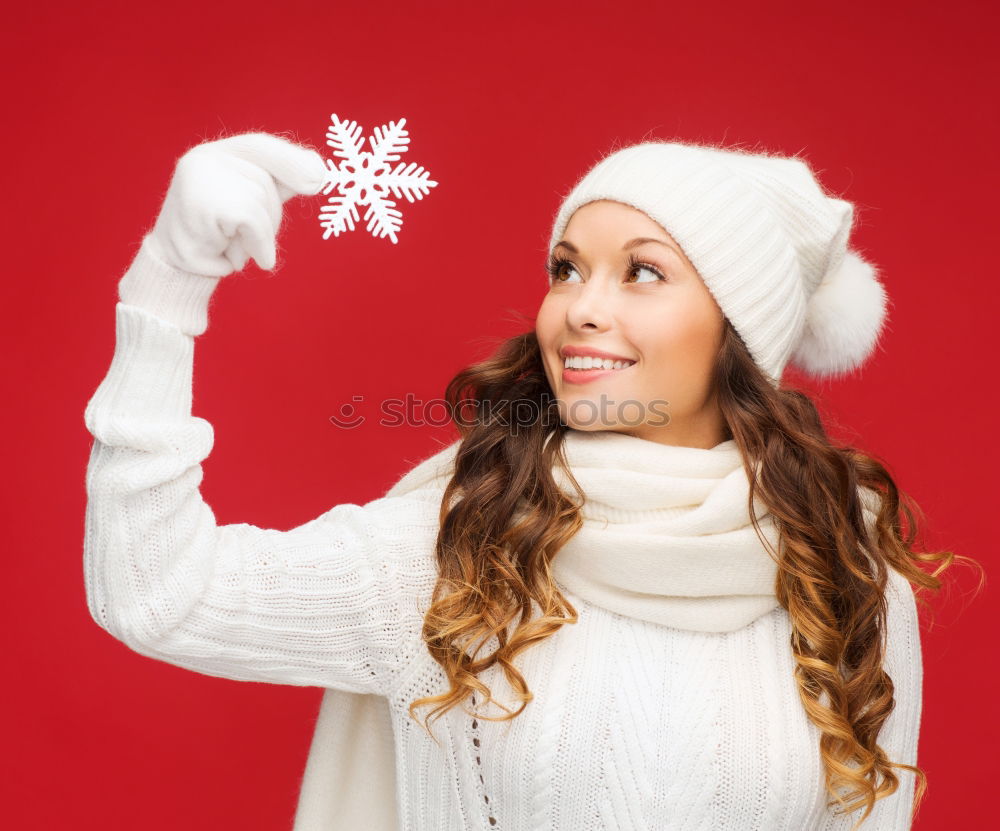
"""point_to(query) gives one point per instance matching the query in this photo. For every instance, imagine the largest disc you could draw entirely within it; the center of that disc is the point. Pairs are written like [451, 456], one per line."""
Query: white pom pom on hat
[769, 243]
[844, 318]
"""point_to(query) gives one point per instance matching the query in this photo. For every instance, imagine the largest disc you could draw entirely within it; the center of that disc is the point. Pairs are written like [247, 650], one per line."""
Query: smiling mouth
[578, 363]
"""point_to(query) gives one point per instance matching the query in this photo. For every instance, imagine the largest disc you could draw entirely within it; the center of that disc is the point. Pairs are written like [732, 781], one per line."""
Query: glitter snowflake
[366, 178]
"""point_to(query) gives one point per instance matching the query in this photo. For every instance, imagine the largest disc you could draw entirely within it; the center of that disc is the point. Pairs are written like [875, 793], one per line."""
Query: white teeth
[578, 362]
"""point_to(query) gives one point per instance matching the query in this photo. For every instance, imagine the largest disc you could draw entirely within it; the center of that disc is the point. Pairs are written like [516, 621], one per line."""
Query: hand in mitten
[223, 206]
[224, 203]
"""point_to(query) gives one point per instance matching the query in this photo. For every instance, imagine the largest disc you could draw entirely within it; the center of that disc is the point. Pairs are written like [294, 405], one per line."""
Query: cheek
[678, 340]
[547, 321]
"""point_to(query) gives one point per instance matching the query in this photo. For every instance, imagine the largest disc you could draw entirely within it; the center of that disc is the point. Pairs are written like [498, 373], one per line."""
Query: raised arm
[332, 603]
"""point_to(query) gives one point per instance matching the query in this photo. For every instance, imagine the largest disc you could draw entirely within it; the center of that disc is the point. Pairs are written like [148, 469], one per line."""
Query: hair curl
[503, 519]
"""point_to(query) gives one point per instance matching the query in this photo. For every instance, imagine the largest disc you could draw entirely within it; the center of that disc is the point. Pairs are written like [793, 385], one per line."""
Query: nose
[590, 309]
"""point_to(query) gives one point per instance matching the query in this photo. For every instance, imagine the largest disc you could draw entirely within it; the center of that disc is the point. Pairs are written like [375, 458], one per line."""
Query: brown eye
[635, 264]
[556, 267]
[656, 275]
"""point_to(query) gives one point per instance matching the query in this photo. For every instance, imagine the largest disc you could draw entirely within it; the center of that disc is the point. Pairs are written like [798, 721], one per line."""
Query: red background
[507, 104]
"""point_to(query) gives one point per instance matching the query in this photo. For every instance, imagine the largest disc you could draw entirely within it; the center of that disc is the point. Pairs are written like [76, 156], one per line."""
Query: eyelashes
[555, 265]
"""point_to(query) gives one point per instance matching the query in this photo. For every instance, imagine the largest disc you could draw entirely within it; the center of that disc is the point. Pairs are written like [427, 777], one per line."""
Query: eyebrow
[632, 243]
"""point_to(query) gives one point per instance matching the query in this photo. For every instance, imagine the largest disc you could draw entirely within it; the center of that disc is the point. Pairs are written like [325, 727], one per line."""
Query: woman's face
[621, 287]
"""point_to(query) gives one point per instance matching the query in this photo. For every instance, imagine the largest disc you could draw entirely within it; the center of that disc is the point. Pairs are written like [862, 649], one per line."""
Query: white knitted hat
[769, 243]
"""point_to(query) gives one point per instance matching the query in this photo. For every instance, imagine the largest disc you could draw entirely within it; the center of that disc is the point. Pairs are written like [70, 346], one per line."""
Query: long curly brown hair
[503, 519]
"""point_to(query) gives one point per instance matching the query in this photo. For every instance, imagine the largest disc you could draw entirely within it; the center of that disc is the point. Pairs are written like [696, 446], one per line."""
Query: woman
[745, 649]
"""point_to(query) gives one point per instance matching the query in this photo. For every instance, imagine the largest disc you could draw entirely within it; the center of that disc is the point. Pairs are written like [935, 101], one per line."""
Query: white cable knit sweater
[634, 725]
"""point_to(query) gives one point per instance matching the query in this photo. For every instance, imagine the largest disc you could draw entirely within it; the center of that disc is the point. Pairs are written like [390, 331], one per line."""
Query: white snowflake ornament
[366, 178]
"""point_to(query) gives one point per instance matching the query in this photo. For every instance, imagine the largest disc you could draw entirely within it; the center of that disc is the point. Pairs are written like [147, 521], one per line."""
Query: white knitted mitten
[224, 202]
[223, 206]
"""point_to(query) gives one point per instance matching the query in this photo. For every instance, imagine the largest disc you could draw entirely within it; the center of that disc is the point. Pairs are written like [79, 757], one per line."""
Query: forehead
[605, 223]
[609, 218]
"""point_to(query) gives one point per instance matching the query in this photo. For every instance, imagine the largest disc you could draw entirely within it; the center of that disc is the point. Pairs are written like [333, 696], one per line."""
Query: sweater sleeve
[900, 731]
[331, 603]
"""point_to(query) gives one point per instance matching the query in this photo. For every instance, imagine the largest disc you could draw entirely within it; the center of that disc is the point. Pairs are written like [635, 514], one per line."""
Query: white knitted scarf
[666, 537]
